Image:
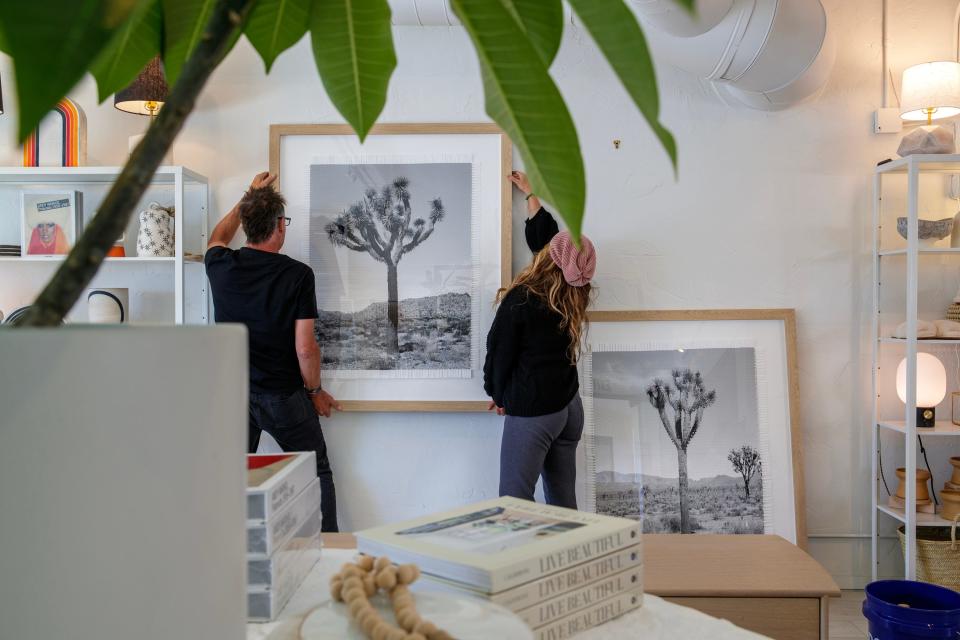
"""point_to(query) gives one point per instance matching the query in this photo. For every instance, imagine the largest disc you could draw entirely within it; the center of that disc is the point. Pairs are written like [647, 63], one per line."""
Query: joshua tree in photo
[746, 462]
[687, 399]
[382, 225]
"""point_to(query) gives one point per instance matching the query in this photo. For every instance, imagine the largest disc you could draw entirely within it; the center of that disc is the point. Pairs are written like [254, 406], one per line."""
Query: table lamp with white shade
[931, 387]
[930, 91]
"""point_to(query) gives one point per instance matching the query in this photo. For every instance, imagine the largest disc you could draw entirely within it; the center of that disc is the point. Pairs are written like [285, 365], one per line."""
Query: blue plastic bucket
[904, 610]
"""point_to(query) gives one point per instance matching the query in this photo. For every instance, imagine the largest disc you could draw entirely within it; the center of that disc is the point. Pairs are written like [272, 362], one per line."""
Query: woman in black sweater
[530, 371]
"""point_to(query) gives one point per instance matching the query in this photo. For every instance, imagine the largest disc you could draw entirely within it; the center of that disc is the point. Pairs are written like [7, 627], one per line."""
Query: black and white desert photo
[678, 439]
[391, 248]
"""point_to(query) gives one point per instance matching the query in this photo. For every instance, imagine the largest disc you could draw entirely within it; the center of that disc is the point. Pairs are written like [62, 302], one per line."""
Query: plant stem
[84, 260]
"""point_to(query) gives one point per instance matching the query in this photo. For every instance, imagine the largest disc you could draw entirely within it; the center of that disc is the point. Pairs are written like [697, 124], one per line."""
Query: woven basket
[938, 555]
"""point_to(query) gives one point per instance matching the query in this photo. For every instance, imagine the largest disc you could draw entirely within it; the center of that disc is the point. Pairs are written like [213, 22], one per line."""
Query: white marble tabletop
[657, 619]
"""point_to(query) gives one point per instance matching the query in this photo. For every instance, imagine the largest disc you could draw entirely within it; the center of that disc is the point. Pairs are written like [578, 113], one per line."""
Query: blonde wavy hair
[544, 279]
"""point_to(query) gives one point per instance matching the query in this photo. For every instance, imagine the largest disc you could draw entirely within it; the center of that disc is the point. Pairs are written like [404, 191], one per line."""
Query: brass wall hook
[616, 143]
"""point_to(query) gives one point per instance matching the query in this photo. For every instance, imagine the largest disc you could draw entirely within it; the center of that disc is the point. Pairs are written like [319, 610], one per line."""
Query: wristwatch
[312, 392]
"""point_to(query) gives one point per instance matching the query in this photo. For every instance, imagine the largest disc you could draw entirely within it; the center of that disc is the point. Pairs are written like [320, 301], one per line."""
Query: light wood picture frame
[296, 152]
[664, 330]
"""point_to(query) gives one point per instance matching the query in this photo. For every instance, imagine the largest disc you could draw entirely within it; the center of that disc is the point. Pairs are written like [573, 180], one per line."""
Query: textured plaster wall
[770, 210]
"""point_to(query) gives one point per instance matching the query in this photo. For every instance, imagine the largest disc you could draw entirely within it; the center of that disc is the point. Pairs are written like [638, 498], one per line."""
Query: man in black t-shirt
[274, 296]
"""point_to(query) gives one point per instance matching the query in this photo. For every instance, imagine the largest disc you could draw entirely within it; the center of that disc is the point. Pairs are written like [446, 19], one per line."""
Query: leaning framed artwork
[408, 236]
[692, 421]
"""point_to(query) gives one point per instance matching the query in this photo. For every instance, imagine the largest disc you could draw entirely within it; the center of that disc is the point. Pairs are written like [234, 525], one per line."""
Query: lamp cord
[880, 465]
[926, 462]
[933, 489]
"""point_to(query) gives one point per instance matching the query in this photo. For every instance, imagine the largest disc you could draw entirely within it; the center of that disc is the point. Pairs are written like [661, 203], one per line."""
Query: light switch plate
[887, 120]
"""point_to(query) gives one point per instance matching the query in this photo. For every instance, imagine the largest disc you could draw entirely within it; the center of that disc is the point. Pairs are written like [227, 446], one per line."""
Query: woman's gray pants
[542, 445]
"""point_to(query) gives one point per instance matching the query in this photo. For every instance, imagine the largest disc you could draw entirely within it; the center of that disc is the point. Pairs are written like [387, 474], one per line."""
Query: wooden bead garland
[358, 582]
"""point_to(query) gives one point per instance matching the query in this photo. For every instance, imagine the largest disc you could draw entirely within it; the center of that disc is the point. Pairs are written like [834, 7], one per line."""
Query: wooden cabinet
[761, 583]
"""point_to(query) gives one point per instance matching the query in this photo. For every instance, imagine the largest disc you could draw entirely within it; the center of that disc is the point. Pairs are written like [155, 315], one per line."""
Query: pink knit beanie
[578, 266]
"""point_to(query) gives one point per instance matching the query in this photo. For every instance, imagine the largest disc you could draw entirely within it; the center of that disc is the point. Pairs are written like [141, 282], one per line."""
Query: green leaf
[522, 98]
[353, 49]
[542, 22]
[52, 44]
[134, 45]
[184, 22]
[616, 31]
[276, 25]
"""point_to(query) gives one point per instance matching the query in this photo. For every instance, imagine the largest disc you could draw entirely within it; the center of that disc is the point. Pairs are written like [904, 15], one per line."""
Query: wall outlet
[887, 120]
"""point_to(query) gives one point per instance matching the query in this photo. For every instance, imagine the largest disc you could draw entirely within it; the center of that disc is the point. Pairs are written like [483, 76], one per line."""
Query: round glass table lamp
[931, 387]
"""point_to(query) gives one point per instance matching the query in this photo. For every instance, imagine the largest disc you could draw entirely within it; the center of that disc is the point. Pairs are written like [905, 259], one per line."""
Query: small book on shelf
[498, 544]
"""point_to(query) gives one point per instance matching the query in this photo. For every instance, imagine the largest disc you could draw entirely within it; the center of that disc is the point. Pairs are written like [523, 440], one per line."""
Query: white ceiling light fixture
[765, 54]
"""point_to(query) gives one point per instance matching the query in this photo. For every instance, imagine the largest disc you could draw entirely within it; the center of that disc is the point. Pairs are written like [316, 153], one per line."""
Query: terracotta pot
[955, 478]
[951, 503]
[923, 477]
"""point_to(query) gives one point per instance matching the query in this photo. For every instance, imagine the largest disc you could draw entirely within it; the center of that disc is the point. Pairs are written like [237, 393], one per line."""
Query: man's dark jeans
[293, 422]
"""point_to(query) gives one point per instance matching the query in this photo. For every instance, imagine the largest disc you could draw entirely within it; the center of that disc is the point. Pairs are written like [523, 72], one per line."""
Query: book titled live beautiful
[594, 616]
[498, 544]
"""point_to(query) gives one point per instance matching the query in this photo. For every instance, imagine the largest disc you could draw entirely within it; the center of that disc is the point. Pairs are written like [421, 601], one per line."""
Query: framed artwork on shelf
[692, 421]
[49, 221]
[408, 236]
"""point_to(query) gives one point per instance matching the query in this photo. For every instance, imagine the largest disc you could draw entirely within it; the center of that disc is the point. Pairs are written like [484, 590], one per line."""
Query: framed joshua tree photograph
[691, 421]
[408, 235]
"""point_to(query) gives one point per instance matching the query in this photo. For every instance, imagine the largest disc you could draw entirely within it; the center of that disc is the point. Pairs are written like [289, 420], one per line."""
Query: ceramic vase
[923, 477]
[108, 306]
[155, 239]
[955, 476]
[951, 503]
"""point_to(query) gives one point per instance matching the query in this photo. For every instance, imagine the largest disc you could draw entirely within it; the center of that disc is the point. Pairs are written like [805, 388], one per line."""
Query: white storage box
[265, 572]
[264, 537]
[274, 480]
[264, 603]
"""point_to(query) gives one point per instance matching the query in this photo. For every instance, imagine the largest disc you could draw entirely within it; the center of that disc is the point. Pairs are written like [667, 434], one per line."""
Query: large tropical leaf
[276, 25]
[542, 21]
[353, 48]
[184, 22]
[522, 98]
[135, 44]
[618, 35]
[52, 44]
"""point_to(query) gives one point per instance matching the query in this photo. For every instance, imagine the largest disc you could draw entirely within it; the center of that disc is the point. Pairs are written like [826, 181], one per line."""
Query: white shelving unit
[187, 190]
[907, 258]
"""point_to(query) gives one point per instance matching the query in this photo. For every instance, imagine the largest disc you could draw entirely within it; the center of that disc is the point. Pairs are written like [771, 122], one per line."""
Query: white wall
[770, 210]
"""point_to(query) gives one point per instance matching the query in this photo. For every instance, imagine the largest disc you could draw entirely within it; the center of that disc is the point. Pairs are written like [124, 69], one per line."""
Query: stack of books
[561, 571]
[283, 529]
[10, 250]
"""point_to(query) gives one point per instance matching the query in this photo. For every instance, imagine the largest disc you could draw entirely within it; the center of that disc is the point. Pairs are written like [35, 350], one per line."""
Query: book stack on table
[562, 571]
[283, 529]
